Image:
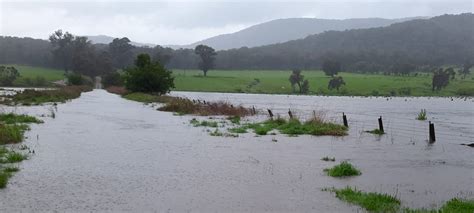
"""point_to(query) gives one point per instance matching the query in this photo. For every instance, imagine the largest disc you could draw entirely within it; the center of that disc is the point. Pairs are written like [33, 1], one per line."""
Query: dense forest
[406, 46]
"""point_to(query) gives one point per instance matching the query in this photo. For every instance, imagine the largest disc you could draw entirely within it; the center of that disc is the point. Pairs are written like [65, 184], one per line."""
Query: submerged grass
[186, 106]
[11, 118]
[377, 202]
[36, 97]
[344, 169]
[296, 127]
[328, 159]
[376, 132]
[15, 157]
[372, 202]
[197, 123]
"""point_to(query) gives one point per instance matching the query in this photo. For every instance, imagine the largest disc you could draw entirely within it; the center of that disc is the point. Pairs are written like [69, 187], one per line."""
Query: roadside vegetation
[377, 202]
[12, 130]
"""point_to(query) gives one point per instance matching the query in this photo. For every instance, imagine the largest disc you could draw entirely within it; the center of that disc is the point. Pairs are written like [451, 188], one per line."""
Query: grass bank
[377, 202]
[276, 82]
[12, 130]
[37, 97]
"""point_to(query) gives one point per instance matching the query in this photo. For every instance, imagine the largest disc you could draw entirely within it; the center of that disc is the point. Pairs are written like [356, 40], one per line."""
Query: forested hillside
[447, 39]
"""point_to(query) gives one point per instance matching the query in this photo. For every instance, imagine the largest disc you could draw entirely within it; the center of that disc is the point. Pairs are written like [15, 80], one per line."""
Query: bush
[75, 79]
[112, 79]
[8, 75]
[148, 77]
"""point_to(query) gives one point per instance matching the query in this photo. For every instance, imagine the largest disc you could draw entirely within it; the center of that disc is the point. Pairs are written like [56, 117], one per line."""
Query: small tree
[8, 75]
[466, 69]
[148, 77]
[440, 79]
[207, 55]
[331, 67]
[297, 79]
[336, 83]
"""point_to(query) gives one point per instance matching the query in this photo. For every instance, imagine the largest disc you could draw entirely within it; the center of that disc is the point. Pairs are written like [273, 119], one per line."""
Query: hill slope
[447, 39]
[282, 30]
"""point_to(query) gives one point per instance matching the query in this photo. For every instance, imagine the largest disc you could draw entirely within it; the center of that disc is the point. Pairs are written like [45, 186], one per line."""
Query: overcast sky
[184, 22]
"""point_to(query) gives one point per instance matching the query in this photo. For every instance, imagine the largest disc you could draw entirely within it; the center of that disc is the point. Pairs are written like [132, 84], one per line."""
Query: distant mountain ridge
[283, 30]
[104, 39]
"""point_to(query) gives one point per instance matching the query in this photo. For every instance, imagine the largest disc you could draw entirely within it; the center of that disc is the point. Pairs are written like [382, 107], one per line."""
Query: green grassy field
[356, 84]
[276, 82]
[48, 74]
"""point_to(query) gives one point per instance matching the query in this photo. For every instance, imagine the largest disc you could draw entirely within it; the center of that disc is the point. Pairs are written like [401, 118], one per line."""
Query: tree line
[399, 49]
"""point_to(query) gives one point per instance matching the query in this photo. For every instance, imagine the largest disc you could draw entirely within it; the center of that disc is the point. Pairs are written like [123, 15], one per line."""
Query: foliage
[11, 118]
[196, 123]
[331, 67]
[421, 115]
[112, 79]
[148, 77]
[11, 133]
[336, 83]
[120, 50]
[207, 55]
[440, 79]
[297, 79]
[344, 169]
[75, 79]
[8, 75]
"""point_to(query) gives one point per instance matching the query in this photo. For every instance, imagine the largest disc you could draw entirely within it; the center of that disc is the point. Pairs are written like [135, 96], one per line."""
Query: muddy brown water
[104, 153]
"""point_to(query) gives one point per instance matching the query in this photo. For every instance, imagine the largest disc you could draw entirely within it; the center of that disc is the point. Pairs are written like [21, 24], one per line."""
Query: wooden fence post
[432, 133]
[290, 114]
[344, 119]
[270, 113]
[381, 125]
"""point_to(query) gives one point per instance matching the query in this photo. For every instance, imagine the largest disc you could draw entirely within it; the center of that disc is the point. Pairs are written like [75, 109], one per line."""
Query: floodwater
[104, 153]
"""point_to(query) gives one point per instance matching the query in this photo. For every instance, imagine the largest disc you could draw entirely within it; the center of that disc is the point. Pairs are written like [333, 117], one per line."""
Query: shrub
[148, 77]
[112, 79]
[75, 79]
[8, 75]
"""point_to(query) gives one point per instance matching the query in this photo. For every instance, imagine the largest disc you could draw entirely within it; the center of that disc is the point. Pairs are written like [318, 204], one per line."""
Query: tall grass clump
[11, 118]
[11, 133]
[186, 106]
[344, 169]
[4, 176]
[15, 157]
[422, 115]
[372, 202]
[458, 205]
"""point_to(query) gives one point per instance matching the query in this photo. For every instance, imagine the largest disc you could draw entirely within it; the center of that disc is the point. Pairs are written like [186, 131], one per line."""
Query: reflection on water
[104, 153]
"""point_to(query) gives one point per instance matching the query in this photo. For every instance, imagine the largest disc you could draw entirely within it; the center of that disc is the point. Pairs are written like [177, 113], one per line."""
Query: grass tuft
[234, 119]
[196, 123]
[15, 157]
[344, 169]
[422, 115]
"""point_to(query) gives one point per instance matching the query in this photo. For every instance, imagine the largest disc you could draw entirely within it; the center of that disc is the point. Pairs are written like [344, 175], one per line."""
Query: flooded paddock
[105, 153]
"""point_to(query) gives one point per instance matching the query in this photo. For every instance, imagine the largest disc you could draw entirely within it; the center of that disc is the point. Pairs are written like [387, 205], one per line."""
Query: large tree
[296, 79]
[62, 44]
[148, 77]
[207, 55]
[331, 67]
[120, 50]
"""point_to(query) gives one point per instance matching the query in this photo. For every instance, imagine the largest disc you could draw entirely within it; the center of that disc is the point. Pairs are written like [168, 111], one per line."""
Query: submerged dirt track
[104, 153]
